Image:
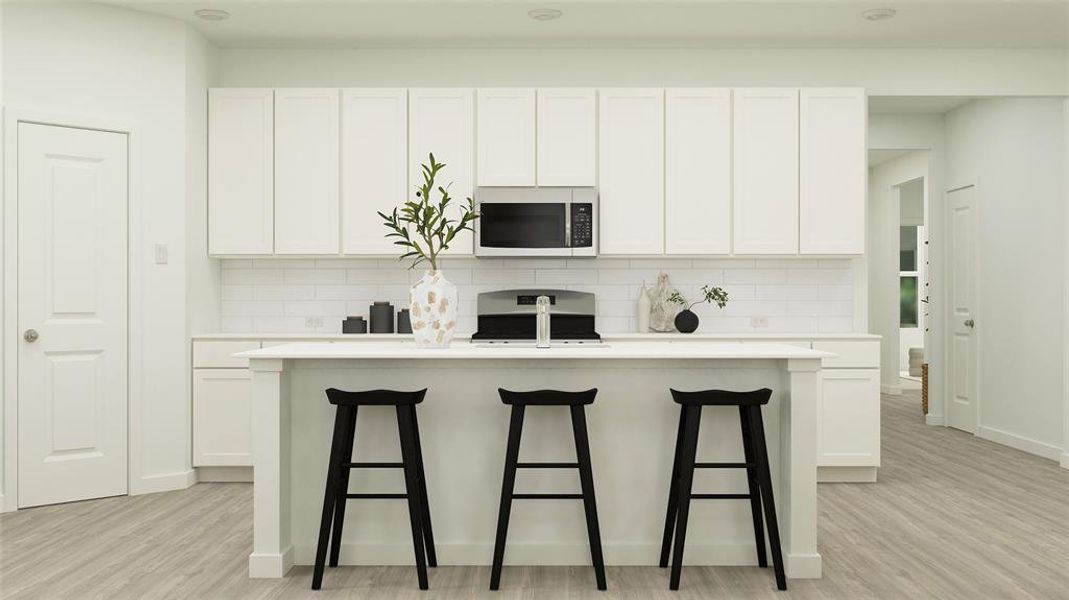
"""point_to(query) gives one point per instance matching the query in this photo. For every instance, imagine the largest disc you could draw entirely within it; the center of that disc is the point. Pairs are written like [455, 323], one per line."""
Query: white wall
[202, 293]
[1014, 149]
[881, 72]
[101, 62]
[883, 259]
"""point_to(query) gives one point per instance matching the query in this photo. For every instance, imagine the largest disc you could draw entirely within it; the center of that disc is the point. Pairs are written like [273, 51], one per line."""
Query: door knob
[30, 335]
[970, 323]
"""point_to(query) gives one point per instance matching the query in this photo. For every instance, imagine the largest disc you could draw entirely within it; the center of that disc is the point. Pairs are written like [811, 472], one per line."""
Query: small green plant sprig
[423, 227]
[709, 293]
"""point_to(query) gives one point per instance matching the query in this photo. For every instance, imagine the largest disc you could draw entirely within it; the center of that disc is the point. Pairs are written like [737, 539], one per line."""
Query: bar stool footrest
[374, 465]
[376, 496]
[547, 496]
[720, 496]
[547, 465]
[726, 465]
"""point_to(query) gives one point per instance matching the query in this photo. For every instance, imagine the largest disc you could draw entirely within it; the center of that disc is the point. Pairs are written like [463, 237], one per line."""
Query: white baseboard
[1065, 460]
[536, 554]
[1019, 442]
[891, 390]
[224, 474]
[167, 482]
[932, 419]
[3, 505]
[846, 474]
[270, 566]
[803, 566]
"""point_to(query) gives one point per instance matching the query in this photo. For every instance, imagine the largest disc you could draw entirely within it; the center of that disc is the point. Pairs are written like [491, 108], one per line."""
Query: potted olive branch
[424, 229]
[686, 321]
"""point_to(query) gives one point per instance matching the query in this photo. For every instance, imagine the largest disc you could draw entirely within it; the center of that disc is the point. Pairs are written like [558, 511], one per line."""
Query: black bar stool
[576, 401]
[337, 489]
[757, 472]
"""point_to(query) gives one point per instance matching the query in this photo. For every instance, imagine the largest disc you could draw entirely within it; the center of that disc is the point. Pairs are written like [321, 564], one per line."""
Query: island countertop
[616, 350]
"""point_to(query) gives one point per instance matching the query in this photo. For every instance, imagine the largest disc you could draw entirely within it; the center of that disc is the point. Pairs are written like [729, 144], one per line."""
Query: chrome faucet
[542, 322]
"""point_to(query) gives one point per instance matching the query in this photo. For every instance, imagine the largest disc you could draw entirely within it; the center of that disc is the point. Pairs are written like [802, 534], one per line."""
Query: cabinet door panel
[240, 171]
[849, 418]
[697, 171]
[567, 137]
[306, 171]
[222, 418]
[631, 171]
[441, 120]
[833, 171]
[374, 146]
[506, 137]
[766, 171]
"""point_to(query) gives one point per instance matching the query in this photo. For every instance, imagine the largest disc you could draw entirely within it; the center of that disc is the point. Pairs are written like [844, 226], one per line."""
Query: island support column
[272, 545]
[798, 472]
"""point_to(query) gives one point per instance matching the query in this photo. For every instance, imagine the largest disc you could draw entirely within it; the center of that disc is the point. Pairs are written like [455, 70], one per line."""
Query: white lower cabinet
[222, 418]
[848, 426]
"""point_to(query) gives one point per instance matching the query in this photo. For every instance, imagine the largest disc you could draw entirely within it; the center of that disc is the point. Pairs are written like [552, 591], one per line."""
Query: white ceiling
[624, 23]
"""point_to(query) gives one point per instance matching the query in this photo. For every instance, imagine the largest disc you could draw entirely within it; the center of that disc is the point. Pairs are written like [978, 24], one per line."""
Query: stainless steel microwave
[530, 221]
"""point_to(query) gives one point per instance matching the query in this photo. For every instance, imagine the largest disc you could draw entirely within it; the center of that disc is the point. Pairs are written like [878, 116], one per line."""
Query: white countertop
[404, 350]
[651, 337]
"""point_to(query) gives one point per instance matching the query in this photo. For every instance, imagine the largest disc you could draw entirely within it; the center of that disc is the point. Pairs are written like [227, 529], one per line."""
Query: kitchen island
[463, 426]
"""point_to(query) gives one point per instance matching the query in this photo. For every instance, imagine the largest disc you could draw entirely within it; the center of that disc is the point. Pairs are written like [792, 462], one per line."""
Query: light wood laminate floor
[953, 516]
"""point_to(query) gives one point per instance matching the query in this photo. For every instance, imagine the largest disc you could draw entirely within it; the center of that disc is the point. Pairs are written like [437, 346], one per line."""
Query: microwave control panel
[582, 225]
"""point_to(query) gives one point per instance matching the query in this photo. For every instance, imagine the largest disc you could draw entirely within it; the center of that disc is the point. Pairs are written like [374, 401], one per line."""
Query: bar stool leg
[428, 535]
[512, 455]
[586, 479]
[755, 488]
[673, 496]
[686, 479]
[757, 426]
[343, 484]
[415, 510]
[329, 495]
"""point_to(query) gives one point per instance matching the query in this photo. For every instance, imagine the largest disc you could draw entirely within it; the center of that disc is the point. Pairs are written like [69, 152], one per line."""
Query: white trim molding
[166, 482]
[1065, 460]
[934, 419]
[1019, 442]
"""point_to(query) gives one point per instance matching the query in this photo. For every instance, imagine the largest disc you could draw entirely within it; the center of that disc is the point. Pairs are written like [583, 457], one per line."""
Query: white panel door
[833, 170]
[240, 171]
[506, 136]
[849, 418]
[766, 171]
[374, 172]
[631, 171]
[697, 179]
[222, 417]
[962, 408]
[441, 120]
[72, 291]
[306, 171]
[567, 137]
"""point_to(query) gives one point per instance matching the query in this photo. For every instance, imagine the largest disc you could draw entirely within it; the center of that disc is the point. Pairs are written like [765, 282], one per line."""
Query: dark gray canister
[404, 321]
[381, 317]
[354, 325]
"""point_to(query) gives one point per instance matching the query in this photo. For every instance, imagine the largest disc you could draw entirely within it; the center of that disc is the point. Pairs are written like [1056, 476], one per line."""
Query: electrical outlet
[313, 322]
[759, 322]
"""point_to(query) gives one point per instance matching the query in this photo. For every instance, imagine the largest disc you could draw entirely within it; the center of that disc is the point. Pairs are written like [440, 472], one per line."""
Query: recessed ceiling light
[544, 14]
[879, 14]
[212, 14]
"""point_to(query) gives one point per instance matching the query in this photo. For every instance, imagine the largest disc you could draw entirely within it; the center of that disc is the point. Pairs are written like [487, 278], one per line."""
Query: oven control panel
[582, 225]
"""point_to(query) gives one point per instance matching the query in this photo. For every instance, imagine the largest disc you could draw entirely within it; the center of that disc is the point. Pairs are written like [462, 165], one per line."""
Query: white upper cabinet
[631, 171]
[240, 171]
[374, 159]
[766, 171]
[506, 137]
[567, 137]
[697, 184]
[442, 121]
[306, 171]
[833, 171]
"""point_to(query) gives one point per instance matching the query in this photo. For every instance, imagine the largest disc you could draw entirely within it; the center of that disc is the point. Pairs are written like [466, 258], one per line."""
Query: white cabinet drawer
[220, 354]
[859, 354]
[222, 418]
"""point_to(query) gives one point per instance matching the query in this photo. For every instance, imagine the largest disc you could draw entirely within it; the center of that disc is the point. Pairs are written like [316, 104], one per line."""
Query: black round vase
[686, 321]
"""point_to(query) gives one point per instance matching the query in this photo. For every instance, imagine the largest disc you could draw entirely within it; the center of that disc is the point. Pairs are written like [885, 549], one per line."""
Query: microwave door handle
[568, 225]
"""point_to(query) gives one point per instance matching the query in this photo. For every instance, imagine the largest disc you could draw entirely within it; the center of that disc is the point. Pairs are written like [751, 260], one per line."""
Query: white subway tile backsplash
[291, 295]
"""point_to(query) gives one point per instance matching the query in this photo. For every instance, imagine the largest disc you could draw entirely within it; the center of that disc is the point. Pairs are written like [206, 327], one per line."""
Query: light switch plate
[161, 254]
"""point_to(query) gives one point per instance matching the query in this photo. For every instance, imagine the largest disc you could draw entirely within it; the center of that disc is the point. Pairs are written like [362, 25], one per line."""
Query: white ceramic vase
[433, 310]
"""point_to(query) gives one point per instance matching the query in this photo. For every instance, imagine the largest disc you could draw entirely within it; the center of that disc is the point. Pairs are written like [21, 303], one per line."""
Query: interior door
[72, 314]
[962, 407]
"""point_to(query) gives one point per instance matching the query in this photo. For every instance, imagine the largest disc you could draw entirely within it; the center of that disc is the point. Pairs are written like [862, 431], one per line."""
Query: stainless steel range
[509, 316]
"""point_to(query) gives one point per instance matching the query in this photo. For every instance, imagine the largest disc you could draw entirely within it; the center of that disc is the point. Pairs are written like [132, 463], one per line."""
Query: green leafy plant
[422, 226]
[709, 293]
